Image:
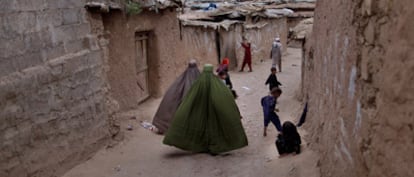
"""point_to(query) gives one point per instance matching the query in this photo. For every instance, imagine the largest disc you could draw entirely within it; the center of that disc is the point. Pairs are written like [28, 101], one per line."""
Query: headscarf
[225, 61]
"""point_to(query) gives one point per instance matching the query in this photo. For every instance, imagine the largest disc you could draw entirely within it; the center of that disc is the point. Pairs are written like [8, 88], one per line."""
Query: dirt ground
[142, 153]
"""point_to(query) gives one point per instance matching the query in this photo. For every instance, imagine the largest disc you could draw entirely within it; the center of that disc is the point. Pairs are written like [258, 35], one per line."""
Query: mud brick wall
[169, 51]
[358, 75]
[53, 104]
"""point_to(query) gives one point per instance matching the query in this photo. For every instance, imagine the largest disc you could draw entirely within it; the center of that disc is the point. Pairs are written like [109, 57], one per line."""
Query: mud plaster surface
[359, 78]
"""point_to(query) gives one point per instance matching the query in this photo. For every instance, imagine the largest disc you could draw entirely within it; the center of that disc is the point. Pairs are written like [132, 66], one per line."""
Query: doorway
[141, 65]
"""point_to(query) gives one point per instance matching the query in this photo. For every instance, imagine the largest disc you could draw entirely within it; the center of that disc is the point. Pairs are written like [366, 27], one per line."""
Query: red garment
[247, 53]
[225, 61]
[247, 57]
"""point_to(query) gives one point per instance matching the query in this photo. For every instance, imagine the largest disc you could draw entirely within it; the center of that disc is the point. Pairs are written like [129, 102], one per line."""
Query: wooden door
[141, 63]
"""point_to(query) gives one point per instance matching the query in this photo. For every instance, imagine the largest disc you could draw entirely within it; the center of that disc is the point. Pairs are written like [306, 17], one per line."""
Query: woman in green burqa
[208, 119]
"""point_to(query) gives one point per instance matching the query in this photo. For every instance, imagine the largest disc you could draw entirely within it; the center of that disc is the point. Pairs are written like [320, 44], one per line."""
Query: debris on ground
[129, 127]
[117, 168]
[246, 88]
[149, 126]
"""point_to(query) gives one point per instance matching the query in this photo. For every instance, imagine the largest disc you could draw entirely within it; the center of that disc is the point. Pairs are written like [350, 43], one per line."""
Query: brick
[82, 77]
[63, 33]
[7, 6]
[45, 19]
[79, 92]
[18, 170]
[74, 46]
[95, 85]
[6, 67]
[95, 58]
[11, 115]
[12, 47]
[28, 60]
[9, 133]
[74, 65]
[70, 32]
[30, 5]
[70, 16]
[83, 30]
[7, 90]
[36, 41]
[19, 22]
[25, 84]
[63, 4]
[54, 52]
[91, 42]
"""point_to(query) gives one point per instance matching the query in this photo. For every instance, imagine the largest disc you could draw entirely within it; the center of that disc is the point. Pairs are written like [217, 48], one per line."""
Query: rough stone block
[75, 64]
[6, 7]
[45, 19]
[61, 4]
[11, 115]
[91, 42]
[74, 46]
[13, 167]
[28, 60]
[12, 47]
[34, 42]
[83, 30]
[6, 67]
[19, 22]
[63, 33]
[30, 5]
[70, 16]
[25, 84]
[9, 133]
[54, 51]
[68, 32]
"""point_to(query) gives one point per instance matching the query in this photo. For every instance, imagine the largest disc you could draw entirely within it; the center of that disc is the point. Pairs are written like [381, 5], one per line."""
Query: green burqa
[208, 119]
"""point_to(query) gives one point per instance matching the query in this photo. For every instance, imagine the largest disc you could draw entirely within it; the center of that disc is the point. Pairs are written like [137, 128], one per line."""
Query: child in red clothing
[247, 55]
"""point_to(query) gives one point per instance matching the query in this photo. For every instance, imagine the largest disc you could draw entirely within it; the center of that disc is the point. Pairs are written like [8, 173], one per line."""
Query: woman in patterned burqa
[208, 119]
[173, 97]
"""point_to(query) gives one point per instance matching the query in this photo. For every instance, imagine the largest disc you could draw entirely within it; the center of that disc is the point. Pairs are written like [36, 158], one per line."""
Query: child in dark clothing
[269, 106]
[223, 77]
[224, 69]
[289, 140]
[272, 80]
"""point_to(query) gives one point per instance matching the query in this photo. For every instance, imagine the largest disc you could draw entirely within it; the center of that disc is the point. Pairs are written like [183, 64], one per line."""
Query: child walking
[272, 80]
[269, 106]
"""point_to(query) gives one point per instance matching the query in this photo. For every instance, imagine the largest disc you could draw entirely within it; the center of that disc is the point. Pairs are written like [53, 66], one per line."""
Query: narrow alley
[82, 81]
[142, 153]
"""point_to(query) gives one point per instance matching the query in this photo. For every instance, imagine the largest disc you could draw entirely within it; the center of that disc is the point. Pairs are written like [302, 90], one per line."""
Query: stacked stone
[52, 87]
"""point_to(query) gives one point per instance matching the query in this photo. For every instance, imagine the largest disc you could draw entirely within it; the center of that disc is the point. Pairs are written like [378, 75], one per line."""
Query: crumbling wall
[358, 75]
[53, 94]
[170, 48]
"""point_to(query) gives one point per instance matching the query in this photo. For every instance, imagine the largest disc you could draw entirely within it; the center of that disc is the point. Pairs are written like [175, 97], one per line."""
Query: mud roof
[224, 14]
[302, 29]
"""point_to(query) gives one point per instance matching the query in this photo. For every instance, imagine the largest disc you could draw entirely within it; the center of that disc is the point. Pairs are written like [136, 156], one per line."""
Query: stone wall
[358, 76]
[53, 92]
